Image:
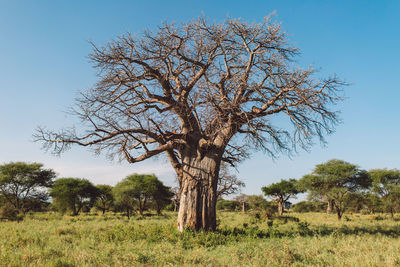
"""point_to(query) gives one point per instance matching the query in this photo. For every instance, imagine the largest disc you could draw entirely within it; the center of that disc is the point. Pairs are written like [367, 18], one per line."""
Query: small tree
[176, 197]
[161, 196]
[123, 196]
[309, 206]
[73, 194]
[228, 205]
[282, 191]
[137, 189]
[373, 202]
[386, 184]
[335, 179]
[242, 199]
[105, 198]
[21, 182]
[356, 201]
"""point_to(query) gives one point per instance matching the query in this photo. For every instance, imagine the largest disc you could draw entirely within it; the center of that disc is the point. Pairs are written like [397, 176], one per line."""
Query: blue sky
[43, 64]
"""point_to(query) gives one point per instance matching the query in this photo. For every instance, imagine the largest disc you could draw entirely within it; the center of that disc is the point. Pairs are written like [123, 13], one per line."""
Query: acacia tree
[105, 198]
[137, 190]
[336, 179]
[162, 195]
[386, 184]
[282, 191]
[73, 194]
[201, 93]
[21, 182]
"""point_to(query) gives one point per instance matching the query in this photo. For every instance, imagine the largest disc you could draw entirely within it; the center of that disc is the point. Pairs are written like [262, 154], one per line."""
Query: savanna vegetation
[296, 239]
[204, 95]
[134, 222]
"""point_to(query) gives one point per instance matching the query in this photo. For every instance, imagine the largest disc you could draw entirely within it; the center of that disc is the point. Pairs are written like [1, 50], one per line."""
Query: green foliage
[257, 202]
[136, 190]
[260, 207]
[356, 201]
[386, 184]
[9, 212]
[21, 182]
[73, 194]
[373, 203]
[228, 205]
[334, 180]
[282, 191]
[105, 197]
[309, 206]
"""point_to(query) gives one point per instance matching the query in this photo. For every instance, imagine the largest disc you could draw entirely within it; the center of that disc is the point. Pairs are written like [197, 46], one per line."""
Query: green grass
[310, 239]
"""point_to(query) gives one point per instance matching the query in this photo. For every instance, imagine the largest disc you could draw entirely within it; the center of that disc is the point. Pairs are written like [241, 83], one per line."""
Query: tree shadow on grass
[304, 229]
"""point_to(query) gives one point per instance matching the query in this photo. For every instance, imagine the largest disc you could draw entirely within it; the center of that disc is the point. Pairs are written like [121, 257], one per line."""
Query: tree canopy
[386, 184]
[138, 189]
[282, 191]
[73, 194]
[105, 197]
[21, 182]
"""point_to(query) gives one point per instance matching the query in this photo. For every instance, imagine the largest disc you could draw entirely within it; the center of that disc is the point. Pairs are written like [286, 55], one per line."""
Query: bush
[10, 213]
[227, 205]
[309, 206]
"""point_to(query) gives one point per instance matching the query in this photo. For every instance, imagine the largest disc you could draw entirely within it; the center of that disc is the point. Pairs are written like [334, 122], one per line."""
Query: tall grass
[310, 239]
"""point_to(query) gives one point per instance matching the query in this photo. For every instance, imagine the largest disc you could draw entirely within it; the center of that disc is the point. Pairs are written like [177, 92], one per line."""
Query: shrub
[227, 205]
[10, 213]
[309, 206]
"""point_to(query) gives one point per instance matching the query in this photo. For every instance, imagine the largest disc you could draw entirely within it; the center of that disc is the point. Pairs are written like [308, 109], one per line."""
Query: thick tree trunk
[197, 205]
[331, 204]
[280, 207]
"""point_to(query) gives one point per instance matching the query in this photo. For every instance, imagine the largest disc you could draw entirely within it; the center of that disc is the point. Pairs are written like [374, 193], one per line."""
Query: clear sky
[43, 64]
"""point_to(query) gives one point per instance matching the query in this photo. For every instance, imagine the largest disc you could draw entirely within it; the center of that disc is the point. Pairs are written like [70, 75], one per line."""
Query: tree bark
[243, 207]
[197, 206]
[280, 207]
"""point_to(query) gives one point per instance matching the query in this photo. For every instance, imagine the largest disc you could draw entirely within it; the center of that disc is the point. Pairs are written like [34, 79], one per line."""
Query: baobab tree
[201, 93]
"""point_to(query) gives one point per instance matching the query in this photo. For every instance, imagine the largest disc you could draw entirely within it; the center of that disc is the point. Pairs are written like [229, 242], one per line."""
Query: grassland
[310, 239]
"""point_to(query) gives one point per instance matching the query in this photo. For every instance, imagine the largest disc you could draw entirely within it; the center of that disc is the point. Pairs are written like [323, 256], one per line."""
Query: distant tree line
[28, 187]
[335, 186]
